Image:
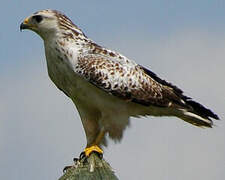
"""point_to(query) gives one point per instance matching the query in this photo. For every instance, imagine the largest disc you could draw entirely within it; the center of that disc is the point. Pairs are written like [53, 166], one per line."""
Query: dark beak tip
[23, 26]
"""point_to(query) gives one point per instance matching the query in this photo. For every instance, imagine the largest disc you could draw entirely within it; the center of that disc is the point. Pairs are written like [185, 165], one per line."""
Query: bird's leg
[94, 147]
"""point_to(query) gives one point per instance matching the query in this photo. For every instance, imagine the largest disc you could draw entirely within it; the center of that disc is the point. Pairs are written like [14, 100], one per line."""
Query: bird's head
[48, 23]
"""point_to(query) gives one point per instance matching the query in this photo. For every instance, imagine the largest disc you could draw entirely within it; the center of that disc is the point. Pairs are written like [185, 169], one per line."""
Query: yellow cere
[26, 21]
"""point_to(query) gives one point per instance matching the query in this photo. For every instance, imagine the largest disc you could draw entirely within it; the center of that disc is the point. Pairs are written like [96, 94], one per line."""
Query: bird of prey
[106, 87]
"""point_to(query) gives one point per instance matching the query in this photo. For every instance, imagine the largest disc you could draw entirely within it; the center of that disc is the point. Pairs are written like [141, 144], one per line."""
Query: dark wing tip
[197, 107]
[201, 110]
[161, 81]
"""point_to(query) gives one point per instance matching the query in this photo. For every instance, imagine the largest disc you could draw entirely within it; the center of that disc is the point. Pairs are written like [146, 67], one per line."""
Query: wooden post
[93, 168]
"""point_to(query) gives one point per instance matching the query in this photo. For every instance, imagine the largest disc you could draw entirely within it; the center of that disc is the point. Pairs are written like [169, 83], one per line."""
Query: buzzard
[107, 87]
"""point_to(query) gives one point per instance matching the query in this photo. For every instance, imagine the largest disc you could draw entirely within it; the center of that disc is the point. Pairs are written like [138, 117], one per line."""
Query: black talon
[82, 155]
[75, 160]
[66, 168]
[100, 155]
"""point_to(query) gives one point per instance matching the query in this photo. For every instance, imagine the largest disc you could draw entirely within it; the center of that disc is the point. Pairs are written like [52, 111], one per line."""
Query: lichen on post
[91, 168]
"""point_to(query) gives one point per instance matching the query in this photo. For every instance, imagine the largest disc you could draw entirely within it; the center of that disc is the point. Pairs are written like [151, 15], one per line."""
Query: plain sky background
[181, 41]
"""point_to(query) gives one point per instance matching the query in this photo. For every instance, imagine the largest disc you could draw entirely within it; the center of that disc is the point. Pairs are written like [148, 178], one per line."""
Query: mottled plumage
[106, 87]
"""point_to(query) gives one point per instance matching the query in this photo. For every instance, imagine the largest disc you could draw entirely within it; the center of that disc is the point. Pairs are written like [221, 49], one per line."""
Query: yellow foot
[94, 148]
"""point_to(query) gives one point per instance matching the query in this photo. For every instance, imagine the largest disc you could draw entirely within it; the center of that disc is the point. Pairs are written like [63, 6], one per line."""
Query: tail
[197, 114]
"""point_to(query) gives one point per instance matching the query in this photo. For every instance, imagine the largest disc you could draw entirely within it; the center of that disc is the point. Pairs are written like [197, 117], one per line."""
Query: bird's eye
[38, 18]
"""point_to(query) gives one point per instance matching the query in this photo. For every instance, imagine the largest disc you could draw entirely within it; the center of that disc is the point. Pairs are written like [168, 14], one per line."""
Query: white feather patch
[190, 114]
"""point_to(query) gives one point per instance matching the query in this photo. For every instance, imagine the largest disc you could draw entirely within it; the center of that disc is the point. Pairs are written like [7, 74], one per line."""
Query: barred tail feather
[195, 119]
[197, 114]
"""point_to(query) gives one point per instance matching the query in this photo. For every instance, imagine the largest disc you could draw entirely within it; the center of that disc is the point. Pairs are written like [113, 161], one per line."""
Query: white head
[48, 23]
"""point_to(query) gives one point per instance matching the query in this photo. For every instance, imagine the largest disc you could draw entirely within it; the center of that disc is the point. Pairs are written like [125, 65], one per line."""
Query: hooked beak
[25, 24]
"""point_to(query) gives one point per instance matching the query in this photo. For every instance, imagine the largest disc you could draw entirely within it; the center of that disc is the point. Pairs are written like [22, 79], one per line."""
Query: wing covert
[127, 81]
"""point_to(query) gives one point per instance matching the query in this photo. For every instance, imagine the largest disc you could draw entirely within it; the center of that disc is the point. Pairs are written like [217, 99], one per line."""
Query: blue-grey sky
[181, 41]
